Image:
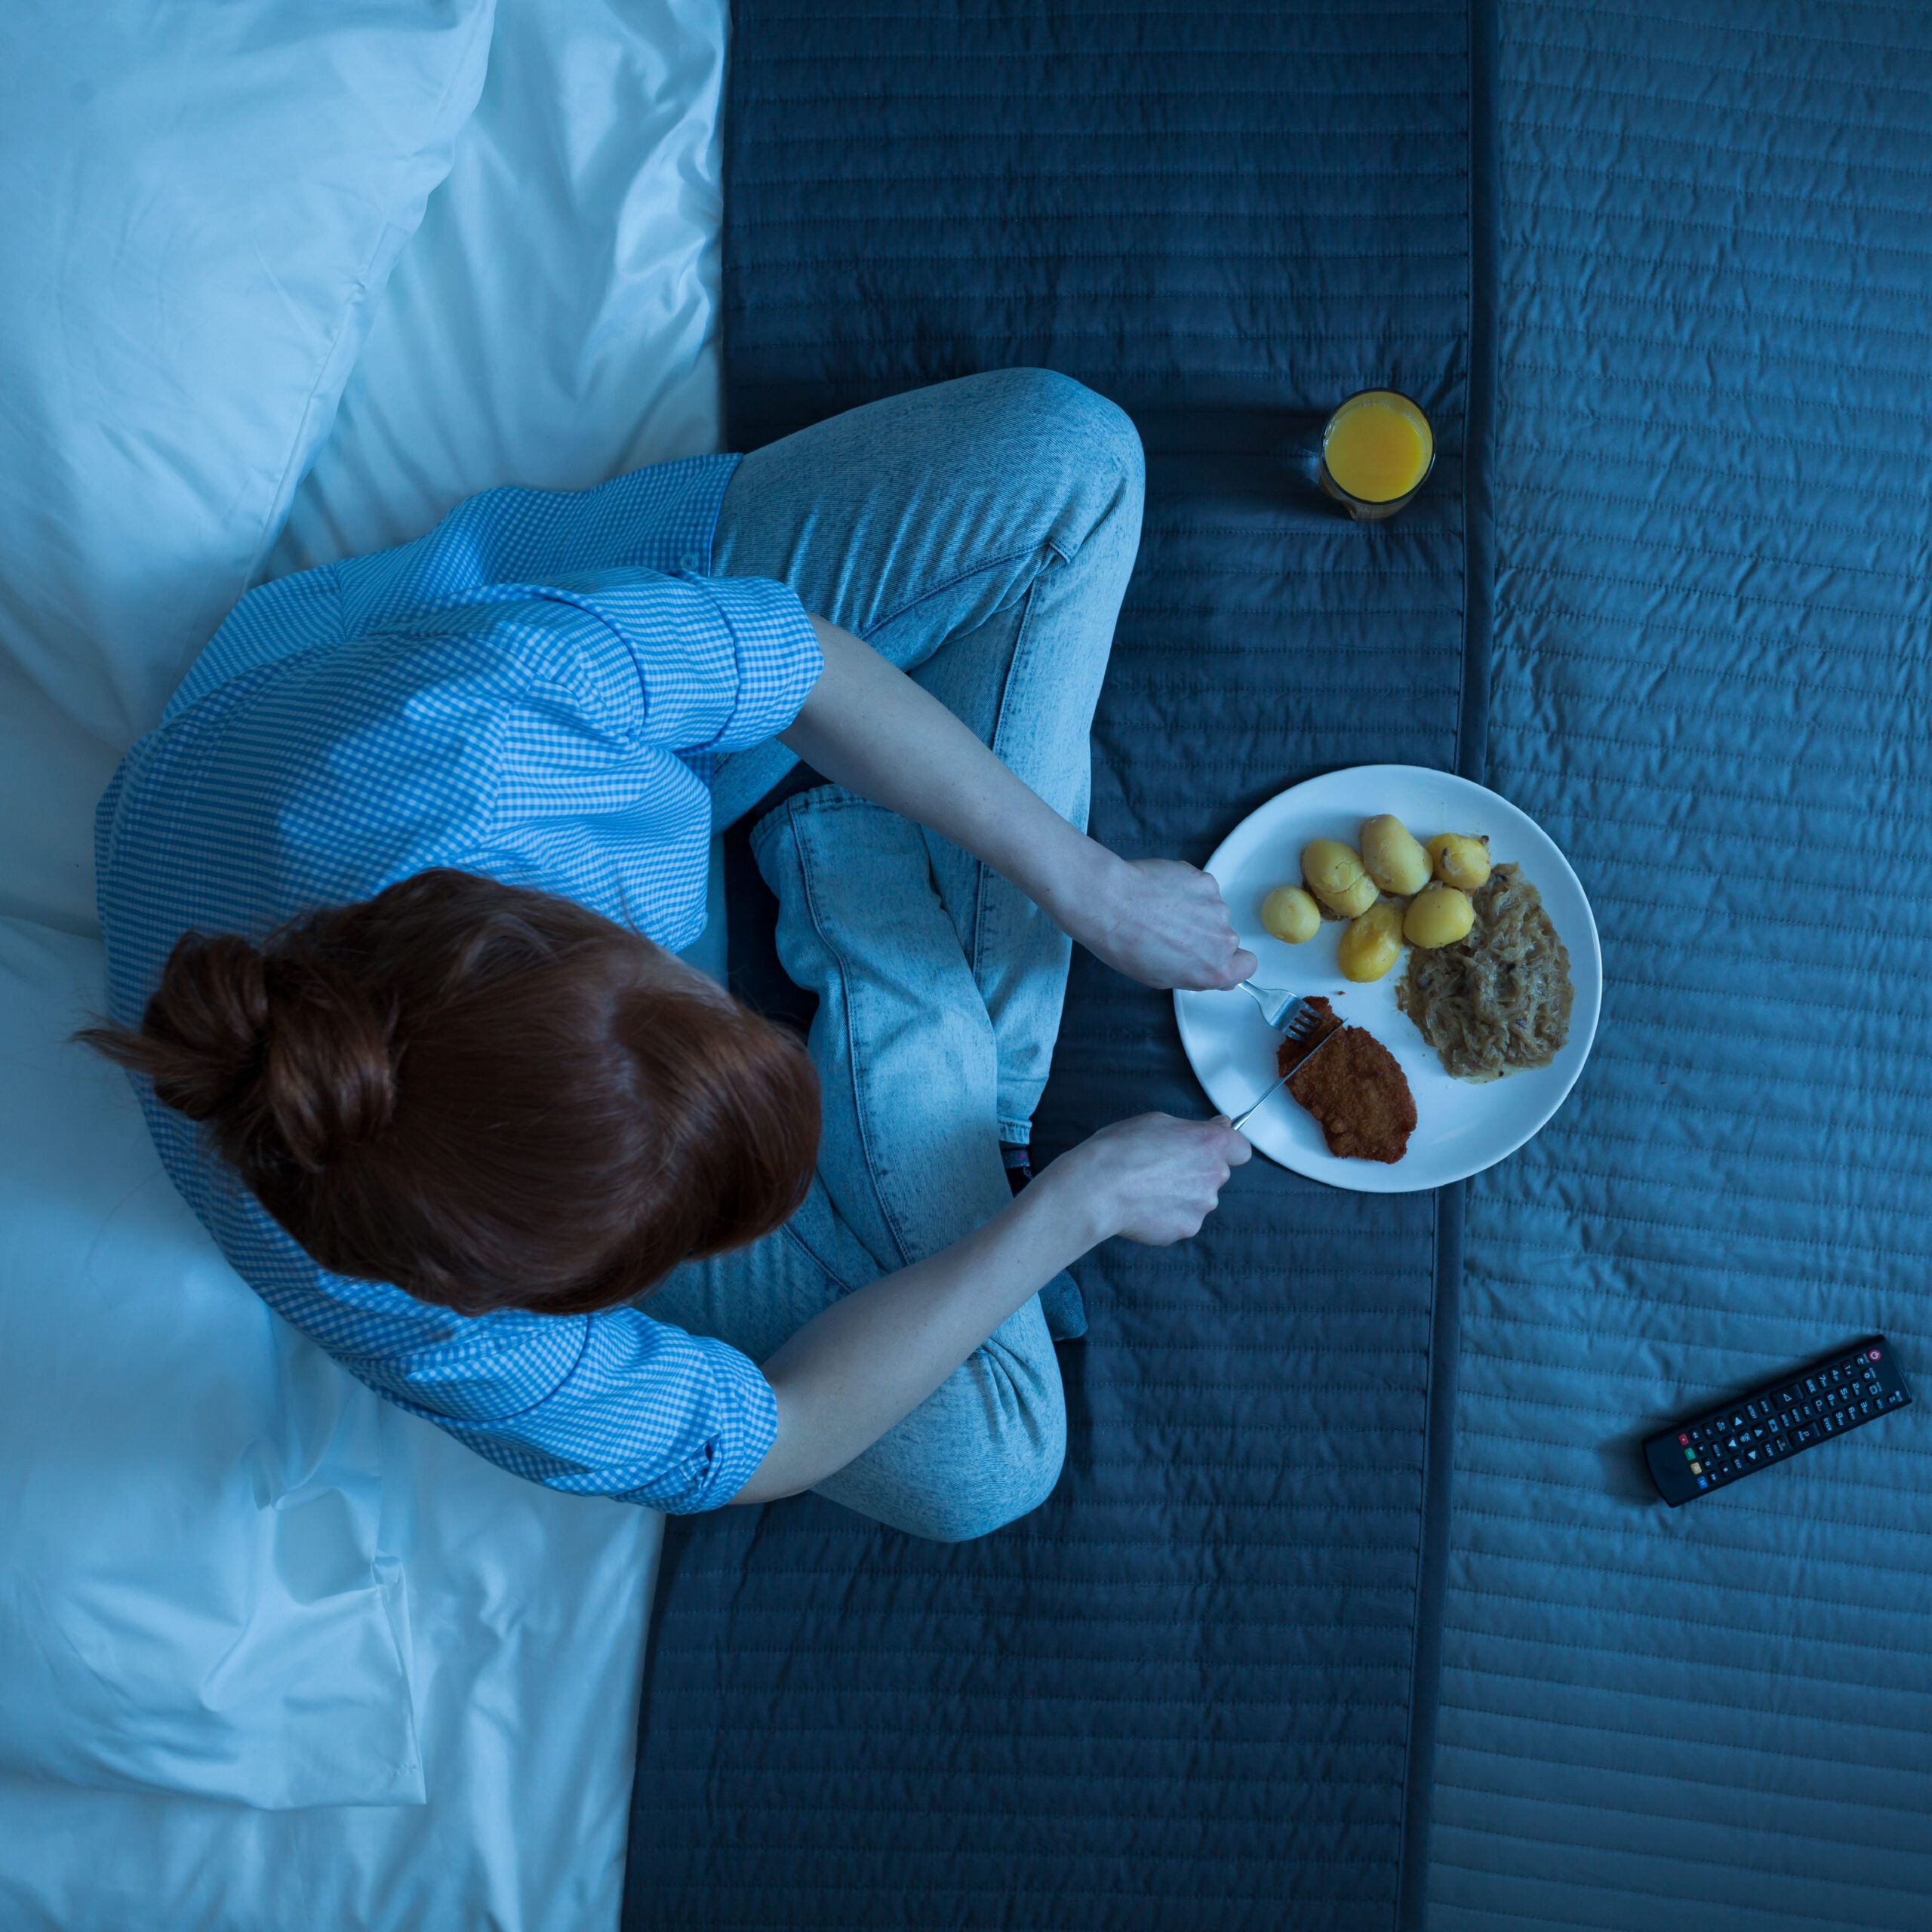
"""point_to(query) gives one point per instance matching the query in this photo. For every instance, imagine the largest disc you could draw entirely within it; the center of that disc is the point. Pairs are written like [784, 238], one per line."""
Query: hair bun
[208, 1017]
[282, 1052]
[327, 1077]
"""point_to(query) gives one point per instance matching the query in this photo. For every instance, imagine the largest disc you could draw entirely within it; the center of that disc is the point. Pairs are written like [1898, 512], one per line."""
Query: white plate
[1462, 1126]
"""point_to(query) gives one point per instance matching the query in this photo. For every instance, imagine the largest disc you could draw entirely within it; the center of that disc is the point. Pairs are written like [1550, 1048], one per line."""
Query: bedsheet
[1178, 1694]
[592, 154]
[1711, 684]
[525, 1626]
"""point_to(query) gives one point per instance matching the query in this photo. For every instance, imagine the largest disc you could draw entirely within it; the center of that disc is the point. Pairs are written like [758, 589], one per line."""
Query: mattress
[1181, 1693]
[1711, 684]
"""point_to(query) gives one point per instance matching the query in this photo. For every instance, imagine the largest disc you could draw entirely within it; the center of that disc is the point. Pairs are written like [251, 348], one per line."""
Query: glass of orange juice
[1375, 452]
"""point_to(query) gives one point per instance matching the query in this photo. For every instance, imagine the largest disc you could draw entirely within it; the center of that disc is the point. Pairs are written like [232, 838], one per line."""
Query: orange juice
[1377, 446]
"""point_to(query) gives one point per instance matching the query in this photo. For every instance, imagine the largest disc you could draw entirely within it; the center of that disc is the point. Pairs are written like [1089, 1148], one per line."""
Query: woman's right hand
[1152, 1179]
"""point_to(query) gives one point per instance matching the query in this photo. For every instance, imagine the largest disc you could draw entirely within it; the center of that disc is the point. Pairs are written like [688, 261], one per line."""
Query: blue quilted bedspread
[1184, 1687]
[1711, 684]
[1658, 272]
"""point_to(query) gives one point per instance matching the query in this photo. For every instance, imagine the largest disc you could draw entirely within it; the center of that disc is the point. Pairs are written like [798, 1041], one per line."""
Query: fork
[1293, 1018]
[1278, 1008]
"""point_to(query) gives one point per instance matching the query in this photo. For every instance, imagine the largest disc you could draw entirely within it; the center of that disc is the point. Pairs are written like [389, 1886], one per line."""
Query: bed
[297, 279]
[278, 1655]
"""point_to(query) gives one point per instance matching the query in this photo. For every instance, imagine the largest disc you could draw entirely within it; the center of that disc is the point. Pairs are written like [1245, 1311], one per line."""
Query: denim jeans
[980, 534]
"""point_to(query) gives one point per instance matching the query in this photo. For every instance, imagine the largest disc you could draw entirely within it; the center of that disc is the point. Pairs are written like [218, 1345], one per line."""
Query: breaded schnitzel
[1354, 1087]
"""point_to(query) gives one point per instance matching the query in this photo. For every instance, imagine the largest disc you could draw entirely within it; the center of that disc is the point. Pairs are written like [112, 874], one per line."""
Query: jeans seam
[818, 1260]
[859, 1110]
[959, 578]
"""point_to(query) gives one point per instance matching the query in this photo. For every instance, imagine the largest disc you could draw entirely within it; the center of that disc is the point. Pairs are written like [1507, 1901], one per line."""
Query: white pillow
[553, 322]
[195, 1594]
[202, 202]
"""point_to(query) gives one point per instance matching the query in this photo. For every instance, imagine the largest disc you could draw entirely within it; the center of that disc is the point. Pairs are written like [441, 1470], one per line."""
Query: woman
[393, 892]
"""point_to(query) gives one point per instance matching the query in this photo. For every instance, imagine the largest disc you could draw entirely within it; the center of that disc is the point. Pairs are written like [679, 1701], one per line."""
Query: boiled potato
[1289, 914]
[1460, 861]
[1395, 861]
[1370, 944]
[1439, 916]
[1336, 876]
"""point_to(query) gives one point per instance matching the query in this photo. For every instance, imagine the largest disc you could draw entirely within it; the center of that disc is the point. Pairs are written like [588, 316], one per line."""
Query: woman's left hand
[1163, 923]
[869, 728]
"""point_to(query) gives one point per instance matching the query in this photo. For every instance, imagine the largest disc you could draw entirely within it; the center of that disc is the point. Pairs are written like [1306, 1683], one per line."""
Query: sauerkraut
[1498, 1000]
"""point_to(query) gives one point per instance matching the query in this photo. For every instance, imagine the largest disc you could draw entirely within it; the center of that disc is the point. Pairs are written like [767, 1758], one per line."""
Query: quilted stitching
[1710, 660]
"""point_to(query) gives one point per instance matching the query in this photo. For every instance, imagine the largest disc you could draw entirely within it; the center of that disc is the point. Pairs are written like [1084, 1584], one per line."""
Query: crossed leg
[979, 534]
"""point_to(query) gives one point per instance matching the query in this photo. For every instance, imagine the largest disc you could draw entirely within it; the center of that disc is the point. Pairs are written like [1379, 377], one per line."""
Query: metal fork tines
[1281, 1010]
[1294, 1018]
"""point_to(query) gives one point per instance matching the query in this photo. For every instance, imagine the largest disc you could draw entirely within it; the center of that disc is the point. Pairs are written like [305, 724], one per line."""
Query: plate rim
[1376, 1178]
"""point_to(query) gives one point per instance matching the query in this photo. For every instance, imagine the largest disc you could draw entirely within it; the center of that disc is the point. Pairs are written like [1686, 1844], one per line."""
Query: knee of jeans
[949, 1514]
[1094, 441]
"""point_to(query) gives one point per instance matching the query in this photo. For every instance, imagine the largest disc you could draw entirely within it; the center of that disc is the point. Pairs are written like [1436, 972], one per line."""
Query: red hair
[491, 1096]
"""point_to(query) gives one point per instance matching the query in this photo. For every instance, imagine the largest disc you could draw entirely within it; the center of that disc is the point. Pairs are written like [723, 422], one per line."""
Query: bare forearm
[854, 1370]
[872, 729]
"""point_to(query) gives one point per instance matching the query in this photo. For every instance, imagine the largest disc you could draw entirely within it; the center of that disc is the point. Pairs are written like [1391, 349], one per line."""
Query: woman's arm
[857, 1367]
[868, 726]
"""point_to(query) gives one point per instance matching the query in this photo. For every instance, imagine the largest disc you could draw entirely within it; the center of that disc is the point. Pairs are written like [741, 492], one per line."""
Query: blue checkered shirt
[535, 690]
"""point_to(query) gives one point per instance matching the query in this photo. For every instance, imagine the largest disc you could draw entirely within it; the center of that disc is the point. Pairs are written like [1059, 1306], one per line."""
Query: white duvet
[278, 1655]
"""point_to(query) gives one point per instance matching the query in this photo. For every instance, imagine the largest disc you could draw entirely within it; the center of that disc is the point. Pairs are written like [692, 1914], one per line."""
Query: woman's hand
[1162, 923]
[869, 728]
[858, 1367]
[1152, 1179]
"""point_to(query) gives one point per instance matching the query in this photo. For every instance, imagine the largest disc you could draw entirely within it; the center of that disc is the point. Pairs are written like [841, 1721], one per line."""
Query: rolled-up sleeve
[723, 662]
[645, 1413]
[613, 1404]
[778, 659]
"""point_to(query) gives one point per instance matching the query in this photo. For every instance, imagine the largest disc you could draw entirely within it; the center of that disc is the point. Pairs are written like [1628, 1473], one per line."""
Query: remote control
[1775, 1423]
